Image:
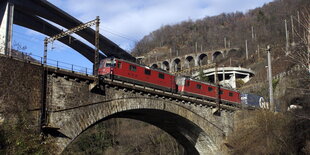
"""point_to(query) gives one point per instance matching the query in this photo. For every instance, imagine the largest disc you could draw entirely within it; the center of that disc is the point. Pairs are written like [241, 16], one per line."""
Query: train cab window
[132, 68]
[110, 63]
[231, 94]
[161, 75]
[210, 89]
[198, 86]
[119, 64]
[147, 71]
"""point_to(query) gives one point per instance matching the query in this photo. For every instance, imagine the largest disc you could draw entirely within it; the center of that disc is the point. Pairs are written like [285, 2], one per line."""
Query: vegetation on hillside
[267, 23]
[265, 132]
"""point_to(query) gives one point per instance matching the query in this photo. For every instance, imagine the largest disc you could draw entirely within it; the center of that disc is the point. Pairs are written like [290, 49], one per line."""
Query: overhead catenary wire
[119, 35]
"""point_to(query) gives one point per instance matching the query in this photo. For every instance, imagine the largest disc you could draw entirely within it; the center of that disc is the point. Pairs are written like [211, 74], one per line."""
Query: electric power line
[119, 35]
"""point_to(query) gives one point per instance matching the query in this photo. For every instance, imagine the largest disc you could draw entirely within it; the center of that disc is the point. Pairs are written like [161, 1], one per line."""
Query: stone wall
[20, 90]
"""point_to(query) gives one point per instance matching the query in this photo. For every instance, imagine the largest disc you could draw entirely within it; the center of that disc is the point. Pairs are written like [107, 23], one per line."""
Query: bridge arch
[231, 52]
[196, 136]
[176, 65]
[217, 55]
[166, 66]
[189, 62]
[202, 59]
[154, 66]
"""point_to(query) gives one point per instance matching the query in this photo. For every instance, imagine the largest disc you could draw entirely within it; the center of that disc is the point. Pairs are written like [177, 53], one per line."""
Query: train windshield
[110, 63]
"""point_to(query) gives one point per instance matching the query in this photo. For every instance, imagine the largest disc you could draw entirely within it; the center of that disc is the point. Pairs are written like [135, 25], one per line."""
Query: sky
[125, 22]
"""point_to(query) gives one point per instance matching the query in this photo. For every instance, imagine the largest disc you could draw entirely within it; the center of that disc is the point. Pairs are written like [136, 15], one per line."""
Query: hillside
[267, 23]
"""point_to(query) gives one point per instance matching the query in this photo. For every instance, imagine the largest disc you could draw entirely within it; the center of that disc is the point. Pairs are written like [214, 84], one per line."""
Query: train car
[252, 100]
[135, 73]
[195, 88]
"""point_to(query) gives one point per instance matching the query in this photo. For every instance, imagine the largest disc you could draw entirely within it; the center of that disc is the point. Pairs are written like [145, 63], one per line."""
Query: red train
[142, 75]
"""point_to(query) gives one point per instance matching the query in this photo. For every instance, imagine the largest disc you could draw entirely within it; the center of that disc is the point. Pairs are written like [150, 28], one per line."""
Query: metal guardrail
[53, 63]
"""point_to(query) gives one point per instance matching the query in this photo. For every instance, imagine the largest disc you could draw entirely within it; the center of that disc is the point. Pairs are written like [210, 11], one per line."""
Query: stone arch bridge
[187, 61]
[72, 109]
[68, 107]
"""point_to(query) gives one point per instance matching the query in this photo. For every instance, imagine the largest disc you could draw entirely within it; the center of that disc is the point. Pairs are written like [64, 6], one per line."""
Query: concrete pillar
[246, 79]
[6, 28]
[196, 59]
[232, 80]
[171, 66]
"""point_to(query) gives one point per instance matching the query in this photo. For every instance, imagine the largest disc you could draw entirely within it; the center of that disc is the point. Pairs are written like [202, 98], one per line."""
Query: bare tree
[301, 53]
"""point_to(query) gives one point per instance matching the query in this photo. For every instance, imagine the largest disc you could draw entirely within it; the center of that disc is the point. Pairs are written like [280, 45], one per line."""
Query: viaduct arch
[192, 60]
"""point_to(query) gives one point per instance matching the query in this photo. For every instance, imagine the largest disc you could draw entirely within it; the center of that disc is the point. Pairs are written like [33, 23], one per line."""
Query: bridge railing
[53, 63]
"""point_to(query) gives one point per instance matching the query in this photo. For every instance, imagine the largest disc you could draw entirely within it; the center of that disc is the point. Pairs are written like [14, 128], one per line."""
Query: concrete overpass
[227, 75]
[33, 14]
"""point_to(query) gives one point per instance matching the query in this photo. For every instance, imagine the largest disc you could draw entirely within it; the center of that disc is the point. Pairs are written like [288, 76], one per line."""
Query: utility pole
[170, 56]
[217, 92]
[97, 46]
[196, 47]
[215, 74]
[252, 28]
[246, 50]
[225, 42]
[258, 51]
[45, 52]
[287, 37]
[271, 102]
[308, 44]
[298, 21]
[293, 34]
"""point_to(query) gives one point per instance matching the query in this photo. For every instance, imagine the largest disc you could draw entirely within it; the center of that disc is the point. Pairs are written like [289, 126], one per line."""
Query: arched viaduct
[191, 60]
[72, 109]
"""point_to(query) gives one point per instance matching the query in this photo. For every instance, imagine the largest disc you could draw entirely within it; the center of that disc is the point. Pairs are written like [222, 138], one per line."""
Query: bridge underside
[185, 132]
[27, 13]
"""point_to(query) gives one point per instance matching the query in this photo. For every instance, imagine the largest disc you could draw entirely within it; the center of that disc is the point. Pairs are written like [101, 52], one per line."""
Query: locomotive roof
[144, 66]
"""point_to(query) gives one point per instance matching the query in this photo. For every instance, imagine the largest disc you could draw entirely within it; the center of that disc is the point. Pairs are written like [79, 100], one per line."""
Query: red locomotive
[138, 74]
